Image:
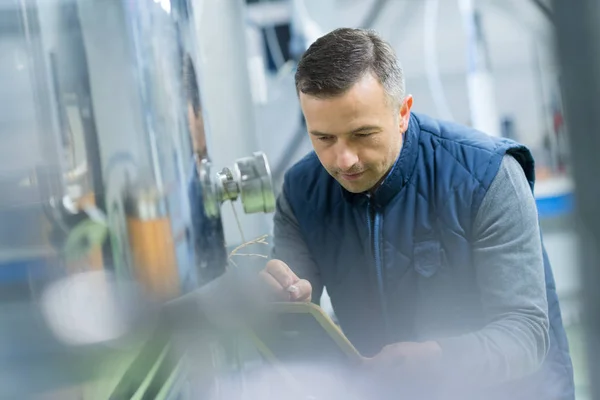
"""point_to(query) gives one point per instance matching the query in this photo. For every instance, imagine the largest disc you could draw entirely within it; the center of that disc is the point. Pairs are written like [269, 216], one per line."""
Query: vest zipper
[374, 223]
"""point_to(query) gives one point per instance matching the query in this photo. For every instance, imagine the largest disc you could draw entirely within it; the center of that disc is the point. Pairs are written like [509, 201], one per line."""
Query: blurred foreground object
[109, 200]
[578, 38]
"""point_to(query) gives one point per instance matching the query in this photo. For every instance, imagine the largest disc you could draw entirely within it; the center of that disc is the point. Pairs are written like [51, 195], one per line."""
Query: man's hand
[403, 370]
[284, 283]
[405, 359]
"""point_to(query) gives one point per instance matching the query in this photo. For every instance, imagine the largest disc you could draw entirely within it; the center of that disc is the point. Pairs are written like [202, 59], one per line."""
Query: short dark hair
[190, 83]
[336, 61]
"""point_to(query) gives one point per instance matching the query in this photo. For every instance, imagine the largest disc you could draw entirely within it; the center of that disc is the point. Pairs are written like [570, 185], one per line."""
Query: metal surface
[108, 107]
[210, 183]
[578, 39]
[256, 188]
[146, 204]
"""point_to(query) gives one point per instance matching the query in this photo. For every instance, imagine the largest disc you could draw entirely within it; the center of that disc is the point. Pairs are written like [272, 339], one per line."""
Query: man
[425, 234]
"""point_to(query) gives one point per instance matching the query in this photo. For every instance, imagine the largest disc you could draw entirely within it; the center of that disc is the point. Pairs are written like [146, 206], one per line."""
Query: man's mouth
[352, 177]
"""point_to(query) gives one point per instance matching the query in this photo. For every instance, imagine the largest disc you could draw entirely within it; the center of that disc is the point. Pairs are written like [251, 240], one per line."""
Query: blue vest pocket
[427, 257]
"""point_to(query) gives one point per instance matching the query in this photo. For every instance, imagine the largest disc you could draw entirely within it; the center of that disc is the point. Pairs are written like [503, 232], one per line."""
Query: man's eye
[363, 135]
[325, 138]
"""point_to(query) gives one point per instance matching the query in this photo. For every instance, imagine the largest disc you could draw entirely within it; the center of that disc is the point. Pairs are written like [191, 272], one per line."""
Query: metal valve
[249, 179]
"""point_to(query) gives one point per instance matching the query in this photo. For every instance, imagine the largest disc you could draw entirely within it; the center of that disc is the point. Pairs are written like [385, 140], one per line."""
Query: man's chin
[353, 187]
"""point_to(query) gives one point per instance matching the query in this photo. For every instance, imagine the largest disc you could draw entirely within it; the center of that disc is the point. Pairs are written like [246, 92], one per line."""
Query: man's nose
[346, 158]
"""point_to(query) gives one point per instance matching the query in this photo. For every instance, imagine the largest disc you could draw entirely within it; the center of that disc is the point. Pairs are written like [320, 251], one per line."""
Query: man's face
[357, 135]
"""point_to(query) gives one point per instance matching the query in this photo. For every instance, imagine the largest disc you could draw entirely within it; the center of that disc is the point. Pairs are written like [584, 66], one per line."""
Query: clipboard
[301, 343]
[302, 331]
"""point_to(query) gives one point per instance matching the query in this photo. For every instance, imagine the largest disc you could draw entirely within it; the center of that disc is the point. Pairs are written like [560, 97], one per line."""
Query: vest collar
[398, 176]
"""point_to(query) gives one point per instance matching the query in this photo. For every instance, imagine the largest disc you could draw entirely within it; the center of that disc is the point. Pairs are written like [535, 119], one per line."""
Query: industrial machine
[111, 205]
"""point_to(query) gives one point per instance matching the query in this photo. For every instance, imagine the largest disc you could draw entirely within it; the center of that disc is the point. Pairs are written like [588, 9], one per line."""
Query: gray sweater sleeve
[508, 259]
[289, 246]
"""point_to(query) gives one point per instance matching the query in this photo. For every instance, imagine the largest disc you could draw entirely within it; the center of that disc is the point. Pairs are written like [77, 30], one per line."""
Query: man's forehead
[368, 85]
[343, 114]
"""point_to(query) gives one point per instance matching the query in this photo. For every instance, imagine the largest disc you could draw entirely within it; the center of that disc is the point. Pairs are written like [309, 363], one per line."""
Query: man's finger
[282, 273]
[274, 287]
[300, 291]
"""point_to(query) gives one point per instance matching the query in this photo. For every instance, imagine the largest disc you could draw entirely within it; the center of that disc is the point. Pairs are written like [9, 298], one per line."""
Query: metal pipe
[374, 13]
[544, 9]
[226, 94]
[578, 40]
[289, 153]
[480, 79]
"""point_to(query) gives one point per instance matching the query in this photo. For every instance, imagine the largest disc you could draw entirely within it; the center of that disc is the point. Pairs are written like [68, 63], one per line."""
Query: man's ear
[405, 112]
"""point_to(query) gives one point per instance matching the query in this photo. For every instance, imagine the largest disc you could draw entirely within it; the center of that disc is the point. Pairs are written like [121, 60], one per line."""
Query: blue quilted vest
[375, 255]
